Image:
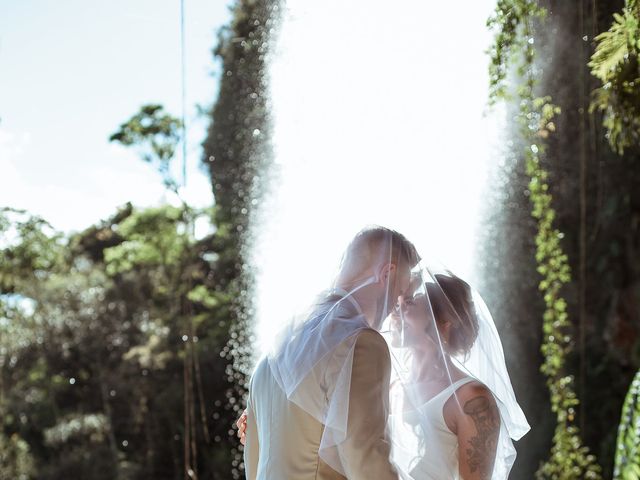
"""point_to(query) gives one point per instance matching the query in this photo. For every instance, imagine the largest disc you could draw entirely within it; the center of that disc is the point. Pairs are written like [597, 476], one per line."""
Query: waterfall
[380, 117]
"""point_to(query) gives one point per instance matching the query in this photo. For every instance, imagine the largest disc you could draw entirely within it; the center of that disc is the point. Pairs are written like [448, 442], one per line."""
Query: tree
[237, 153]
[156, 135]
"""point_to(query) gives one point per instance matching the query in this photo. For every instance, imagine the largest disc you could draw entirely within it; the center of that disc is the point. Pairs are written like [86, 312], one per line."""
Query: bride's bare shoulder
[471, 402]
[474, 389]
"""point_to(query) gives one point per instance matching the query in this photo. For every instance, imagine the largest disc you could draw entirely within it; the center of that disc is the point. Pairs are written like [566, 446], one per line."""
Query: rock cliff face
[597, 200]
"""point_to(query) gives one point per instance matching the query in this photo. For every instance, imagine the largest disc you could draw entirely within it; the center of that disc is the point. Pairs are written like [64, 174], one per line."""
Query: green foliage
[627, 463]
[28, 249]
[615, 63]
[91, 351]
[90, 427]
[163, 248]
[103, 334]
[16, 462]
[514, 44]
[124, 348]
[156, 134]
[511, 46]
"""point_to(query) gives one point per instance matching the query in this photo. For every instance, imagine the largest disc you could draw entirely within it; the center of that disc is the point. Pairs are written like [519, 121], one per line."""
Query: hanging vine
[513, 21]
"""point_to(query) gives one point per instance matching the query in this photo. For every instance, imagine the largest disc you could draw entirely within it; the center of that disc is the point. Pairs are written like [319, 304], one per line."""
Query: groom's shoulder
[371, 341]
[370, 335]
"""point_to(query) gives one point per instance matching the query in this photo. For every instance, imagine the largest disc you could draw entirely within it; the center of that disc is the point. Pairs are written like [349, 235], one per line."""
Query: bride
[453, 409]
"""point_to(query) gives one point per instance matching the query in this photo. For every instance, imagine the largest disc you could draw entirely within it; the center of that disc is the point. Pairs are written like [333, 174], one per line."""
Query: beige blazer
[282, 440]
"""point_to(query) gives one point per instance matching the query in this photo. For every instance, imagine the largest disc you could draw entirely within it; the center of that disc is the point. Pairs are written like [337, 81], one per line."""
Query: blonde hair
[377, 243]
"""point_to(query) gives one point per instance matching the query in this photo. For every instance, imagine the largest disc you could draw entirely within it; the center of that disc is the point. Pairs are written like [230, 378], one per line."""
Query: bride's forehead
[424, 299]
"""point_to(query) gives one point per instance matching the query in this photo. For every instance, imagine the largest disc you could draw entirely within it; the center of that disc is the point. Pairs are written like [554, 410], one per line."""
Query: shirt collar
[341, 292]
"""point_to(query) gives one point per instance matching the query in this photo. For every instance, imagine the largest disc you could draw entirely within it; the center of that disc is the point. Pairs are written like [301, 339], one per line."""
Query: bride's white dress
[424, 430]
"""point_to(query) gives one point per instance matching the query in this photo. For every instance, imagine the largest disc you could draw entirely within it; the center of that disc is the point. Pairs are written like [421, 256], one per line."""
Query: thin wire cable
[183, 76]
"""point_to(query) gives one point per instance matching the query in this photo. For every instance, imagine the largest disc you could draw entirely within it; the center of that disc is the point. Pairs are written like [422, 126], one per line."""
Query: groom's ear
[387, 270]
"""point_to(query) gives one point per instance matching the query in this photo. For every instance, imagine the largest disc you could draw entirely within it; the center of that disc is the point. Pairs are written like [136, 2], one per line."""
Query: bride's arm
[476, 422]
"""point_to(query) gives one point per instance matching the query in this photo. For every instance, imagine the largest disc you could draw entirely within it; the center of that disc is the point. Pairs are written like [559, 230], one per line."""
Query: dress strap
[456, 385]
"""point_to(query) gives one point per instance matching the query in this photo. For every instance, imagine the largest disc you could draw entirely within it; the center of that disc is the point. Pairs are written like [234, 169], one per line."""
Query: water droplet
[125, 443]
[256, 132]
[72, 381]
[185, 338]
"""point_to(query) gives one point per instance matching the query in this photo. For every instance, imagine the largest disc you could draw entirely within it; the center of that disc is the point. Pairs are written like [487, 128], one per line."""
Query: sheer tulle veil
[441, 337]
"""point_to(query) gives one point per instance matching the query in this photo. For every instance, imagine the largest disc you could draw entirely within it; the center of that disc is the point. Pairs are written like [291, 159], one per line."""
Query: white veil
[442, 340]
[313, 356]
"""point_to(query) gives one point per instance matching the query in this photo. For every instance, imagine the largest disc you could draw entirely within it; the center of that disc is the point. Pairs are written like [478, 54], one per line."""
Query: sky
[70, 73]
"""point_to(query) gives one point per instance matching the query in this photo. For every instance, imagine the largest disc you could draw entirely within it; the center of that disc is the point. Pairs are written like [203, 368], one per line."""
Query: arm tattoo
[482, 449]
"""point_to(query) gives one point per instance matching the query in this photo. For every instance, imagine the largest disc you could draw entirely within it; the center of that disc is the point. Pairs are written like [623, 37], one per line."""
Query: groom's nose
[400, 304]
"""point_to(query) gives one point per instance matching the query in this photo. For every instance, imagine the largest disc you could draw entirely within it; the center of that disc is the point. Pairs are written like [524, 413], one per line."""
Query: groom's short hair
[376, 243]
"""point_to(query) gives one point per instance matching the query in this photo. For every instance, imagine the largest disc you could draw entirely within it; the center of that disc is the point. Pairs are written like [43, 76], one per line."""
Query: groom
[318, 405]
